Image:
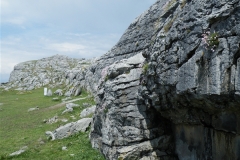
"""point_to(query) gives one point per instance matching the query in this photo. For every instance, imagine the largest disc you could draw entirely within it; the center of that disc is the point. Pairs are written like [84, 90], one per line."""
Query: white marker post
[45, 91]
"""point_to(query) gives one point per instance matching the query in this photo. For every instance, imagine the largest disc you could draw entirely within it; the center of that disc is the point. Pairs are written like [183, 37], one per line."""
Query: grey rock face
[187, 89]
[195, 85]
[124, 126]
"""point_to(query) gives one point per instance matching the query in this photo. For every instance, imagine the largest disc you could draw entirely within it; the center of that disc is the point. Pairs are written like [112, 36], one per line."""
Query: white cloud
[15, 20]
[66, 47]
[4, 3]
[7, 65]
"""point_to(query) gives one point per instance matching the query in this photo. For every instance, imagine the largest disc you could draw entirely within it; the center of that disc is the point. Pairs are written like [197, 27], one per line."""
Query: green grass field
[19, 128]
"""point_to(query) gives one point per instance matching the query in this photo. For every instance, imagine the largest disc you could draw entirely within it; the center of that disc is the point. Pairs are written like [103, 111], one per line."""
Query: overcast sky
[34, 29]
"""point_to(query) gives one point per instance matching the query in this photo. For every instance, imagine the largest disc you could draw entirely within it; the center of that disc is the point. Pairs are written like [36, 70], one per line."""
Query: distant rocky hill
[169, 89]
[57, 70]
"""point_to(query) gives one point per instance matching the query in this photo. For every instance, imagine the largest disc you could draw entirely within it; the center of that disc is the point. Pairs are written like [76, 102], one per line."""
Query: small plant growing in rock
[137, 44]
[210, 40]
[104, 73]
[145, 68]
[168, 26]
[169, 4]
[183, 3]
[106, 110]
[106, 78]
[127, 72]
[120, 158]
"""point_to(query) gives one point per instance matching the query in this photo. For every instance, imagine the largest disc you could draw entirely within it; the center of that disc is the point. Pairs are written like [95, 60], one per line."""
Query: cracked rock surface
[186, 90]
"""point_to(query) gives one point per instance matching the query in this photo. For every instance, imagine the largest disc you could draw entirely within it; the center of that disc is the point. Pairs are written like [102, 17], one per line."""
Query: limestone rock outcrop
[124, 127]
[52, 71]
[193, 78]
[182, 101]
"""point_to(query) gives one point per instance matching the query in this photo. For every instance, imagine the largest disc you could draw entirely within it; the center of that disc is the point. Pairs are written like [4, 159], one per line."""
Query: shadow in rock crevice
[161, 135]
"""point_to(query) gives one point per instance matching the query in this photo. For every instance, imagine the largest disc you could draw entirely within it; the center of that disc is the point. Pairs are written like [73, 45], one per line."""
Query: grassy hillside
[21, 128]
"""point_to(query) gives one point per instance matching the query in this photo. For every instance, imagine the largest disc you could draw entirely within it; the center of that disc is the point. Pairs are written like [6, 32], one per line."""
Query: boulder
[59, 92]
[77, 92]
[64, 148]
[33, 109]
[70, 129]
[68, 94]
[71, 105]
[88, 111]
[49, 92]
[67, 110]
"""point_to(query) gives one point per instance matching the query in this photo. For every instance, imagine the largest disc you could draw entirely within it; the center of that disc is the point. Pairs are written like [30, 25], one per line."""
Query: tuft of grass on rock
[145, 68]
[183, 3]
[170, 4]
[168, 26]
